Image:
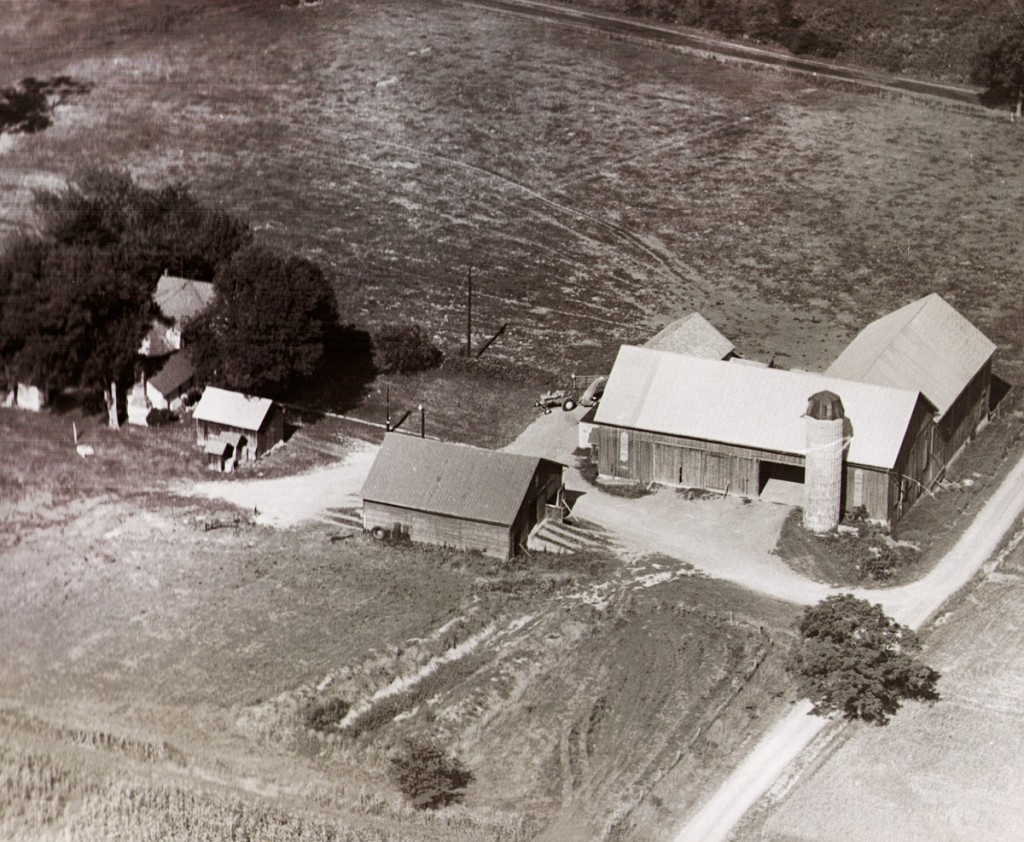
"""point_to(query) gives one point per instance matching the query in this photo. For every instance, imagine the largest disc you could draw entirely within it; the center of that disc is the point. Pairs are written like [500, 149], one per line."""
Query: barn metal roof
[232, 409]
[176, 371]
[450, 479]
[761, 408]
[693, 335]
[180, 299]
[926, 345]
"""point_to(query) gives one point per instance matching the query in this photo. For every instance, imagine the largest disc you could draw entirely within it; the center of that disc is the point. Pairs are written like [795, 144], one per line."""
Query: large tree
[146, 230]
[269, 321]
[999, 63]
[857, 661]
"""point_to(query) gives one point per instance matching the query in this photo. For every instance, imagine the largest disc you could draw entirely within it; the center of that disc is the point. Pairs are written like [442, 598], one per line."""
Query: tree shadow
[342, 377]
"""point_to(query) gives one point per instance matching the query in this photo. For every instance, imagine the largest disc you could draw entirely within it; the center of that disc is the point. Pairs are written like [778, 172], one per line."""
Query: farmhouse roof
[926, 345]
[450, 479]
[179, 299]
[232, 409]
[693, 335]
[177, 371]
[760, 408]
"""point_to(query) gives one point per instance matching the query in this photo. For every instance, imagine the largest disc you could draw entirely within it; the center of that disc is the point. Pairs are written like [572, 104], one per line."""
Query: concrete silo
[823, 467]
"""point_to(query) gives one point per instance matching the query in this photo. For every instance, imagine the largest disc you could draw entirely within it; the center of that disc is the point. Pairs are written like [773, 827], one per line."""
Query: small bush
[159, 417]
[427, 775]
[325, 716]
[403, 349]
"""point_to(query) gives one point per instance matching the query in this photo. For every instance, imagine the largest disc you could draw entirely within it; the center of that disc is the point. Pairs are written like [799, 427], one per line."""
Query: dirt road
[912, 604]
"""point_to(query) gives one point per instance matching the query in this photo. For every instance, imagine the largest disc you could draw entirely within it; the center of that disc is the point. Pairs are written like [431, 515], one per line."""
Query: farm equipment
[566, 398]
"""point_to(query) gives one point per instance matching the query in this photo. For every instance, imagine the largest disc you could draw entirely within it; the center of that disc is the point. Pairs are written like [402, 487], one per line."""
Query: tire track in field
[659, 256]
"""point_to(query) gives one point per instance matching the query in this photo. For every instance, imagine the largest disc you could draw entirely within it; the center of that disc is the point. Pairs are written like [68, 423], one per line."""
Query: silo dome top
[825, 406]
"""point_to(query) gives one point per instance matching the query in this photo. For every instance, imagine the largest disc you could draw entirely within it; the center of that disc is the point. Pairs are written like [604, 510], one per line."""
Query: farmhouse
[929, 347]
[166, 371]
[460, 496]
[233, 428]
[700, 423]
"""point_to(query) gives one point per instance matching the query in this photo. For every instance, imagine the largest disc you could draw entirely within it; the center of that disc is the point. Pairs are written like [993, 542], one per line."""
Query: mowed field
[597, 188]
[946, 772]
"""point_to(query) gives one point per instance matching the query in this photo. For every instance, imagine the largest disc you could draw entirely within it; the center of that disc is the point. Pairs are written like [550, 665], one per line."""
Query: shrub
[159, 417]
[402, 349]
[324, 716]
[427, 775]
[857, 661]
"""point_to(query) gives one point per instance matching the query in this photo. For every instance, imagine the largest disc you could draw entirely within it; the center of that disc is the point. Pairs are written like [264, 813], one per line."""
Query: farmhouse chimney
[823, 465]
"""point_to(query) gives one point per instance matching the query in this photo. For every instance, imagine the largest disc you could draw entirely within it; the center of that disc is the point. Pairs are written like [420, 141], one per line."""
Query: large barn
[906, 394]
[460, 496]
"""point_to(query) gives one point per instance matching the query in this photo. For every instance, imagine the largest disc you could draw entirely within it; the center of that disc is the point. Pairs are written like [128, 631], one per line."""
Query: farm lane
[911, 604]
[287, 501]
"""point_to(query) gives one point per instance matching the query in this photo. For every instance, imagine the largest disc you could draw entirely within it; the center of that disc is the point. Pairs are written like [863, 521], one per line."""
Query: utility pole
[423, 423]
[469, 313]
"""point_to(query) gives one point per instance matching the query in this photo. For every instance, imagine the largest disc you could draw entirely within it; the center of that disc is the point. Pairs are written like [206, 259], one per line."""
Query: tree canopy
[999, 63]
[269, 321]
[857, 661]
[76, 299]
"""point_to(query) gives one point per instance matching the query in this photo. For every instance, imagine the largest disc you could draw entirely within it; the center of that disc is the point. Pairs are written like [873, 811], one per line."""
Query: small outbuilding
[233, 428]
[460, 496]
[693, 335]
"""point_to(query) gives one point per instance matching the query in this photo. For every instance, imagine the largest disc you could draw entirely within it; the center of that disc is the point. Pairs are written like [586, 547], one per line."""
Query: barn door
[716, 471]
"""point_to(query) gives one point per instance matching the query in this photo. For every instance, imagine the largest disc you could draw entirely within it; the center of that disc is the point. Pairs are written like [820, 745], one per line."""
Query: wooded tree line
[76, 296]
[830, 29]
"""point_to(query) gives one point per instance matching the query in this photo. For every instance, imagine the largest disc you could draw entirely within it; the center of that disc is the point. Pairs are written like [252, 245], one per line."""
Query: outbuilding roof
[693, 335]
[177, 371]
[179, 299]
[450, 479]
[761, 408]
[232, 409]
[926, 345]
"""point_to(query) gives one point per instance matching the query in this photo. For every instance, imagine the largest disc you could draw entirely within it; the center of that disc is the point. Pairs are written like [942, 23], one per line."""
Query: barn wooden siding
[674, 460]
[443, 530]
[958, 425]
[692, 463]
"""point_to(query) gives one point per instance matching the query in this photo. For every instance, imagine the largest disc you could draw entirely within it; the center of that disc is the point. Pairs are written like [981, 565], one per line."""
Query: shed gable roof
[760, 408]
[232, 409]
[450, 479]
[176, 371]
[926, 345]
[693, 335]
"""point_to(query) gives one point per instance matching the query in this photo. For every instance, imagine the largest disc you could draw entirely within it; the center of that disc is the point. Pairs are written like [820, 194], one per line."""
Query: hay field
[947, 772]
[599, 188]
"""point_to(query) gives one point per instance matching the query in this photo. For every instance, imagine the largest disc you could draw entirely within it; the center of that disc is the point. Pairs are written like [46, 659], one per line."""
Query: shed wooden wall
[256, 443]
[443, 530]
